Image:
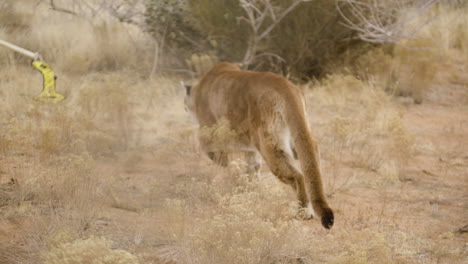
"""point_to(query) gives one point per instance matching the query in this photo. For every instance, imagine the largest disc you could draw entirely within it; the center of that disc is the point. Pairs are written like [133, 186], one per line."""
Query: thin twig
[256, 13]
[381, 22]
[59, 9]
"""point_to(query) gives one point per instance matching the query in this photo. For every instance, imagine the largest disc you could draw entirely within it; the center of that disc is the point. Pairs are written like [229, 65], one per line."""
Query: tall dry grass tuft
[411, 67]
[68, 182]
[98, 115]
[47, 197]
[235, 220]
[219, 135]
[361, 111]
[74, 45]
[375, 250]
[93, 250]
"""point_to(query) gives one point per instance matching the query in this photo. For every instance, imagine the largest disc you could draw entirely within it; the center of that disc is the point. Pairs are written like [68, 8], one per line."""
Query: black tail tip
[327, 218]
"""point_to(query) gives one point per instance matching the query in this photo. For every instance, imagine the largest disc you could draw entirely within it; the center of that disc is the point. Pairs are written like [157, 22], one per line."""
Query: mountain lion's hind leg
[219, 157]
[281, 165]
[254, 163]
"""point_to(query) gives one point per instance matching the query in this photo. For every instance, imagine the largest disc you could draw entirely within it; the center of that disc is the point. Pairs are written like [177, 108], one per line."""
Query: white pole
[34, 56]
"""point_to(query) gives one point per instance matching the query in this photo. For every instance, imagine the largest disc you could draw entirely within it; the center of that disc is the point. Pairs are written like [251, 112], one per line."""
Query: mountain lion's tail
[307, 151]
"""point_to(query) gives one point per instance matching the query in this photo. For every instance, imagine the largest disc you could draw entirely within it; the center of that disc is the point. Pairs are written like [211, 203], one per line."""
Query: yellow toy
[48, 93]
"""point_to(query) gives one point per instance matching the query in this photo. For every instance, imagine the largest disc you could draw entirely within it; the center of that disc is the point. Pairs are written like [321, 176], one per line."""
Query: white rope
[34, 56]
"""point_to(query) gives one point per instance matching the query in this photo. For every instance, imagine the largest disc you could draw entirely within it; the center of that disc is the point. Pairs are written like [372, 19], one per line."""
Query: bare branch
[383, 21]
[256, 13]
[280, 17]
[269, 54]
[128, 11]
[59, 9]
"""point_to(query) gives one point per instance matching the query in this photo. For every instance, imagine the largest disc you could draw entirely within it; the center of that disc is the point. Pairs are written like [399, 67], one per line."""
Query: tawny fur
[268, 114]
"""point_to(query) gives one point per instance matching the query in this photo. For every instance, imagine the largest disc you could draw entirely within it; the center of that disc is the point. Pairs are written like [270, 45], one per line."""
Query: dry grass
[412, 67]
[73, 44]
[92, 250]
[114, 174]
[360, 111]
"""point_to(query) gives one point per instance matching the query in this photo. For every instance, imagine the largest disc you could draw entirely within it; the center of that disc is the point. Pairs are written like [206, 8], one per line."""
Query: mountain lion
[268, 115]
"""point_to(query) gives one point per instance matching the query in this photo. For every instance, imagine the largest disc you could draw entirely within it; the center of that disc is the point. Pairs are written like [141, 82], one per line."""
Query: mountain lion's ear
[188, 88]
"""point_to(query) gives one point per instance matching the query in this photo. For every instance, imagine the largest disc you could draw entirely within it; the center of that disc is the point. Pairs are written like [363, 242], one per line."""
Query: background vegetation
[114, 173]
[308, 39]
